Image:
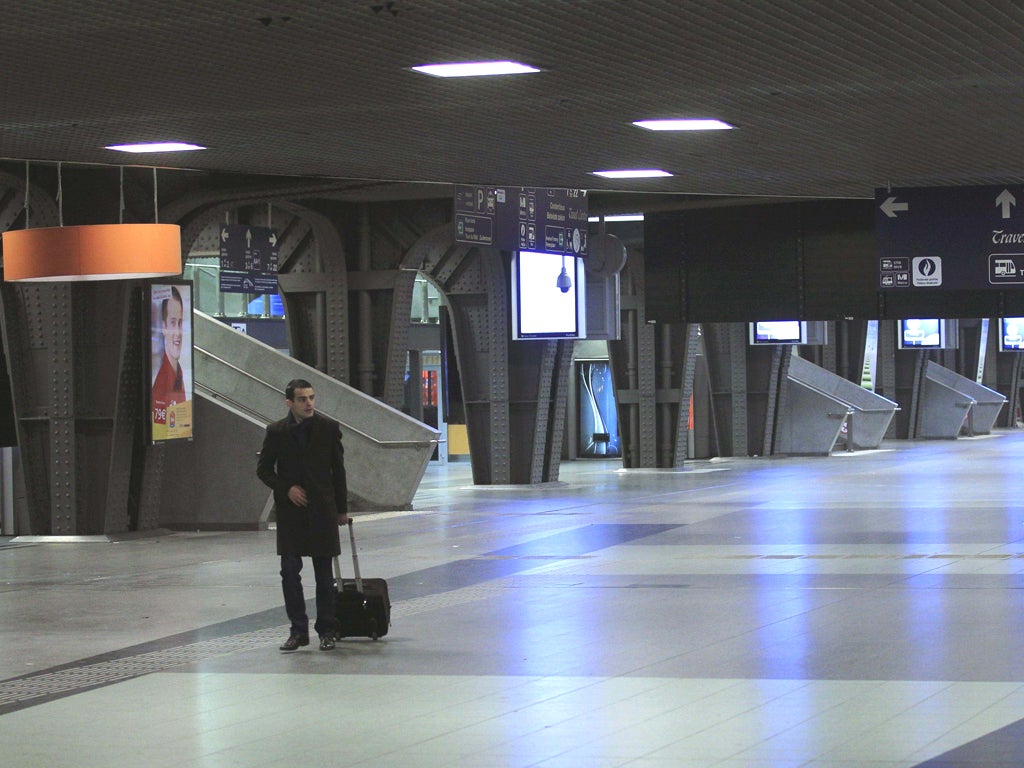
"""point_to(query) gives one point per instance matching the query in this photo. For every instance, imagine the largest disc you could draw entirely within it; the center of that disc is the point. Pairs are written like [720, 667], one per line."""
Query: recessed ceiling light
[683, 125]
[475, 68]
[635, 174]
[619, 217]
[165, 146]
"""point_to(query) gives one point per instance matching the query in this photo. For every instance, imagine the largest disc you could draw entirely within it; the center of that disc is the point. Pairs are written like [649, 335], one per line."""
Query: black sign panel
[950, 237]
[248, 259]
[522, 218]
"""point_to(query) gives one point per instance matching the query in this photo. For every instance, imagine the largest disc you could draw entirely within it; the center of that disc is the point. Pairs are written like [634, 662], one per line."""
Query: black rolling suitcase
[361, 606]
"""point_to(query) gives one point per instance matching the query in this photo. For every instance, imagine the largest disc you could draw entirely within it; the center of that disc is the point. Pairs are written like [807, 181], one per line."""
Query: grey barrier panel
[982, 414]
[811, 423]
[943, 410]
[386, 451]
[872, 413]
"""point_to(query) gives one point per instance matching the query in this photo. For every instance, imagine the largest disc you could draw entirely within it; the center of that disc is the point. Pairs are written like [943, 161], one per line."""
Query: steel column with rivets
[59, 341]
[497, 343]
[682, 440]
[648, 407]
[398, 340]
[128, 411]
[562, 382]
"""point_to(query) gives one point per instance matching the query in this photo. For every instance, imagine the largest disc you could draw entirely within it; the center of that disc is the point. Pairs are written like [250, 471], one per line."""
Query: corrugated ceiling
[830, 98]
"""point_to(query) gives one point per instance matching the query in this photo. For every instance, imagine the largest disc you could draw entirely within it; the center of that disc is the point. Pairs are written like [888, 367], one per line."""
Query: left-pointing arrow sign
[890, 207]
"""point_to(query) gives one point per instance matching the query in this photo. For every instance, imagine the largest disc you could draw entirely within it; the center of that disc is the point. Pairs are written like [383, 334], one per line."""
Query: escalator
[386, 451]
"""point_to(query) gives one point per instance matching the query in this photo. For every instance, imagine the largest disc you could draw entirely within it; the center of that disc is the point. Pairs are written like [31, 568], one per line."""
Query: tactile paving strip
[21, 692]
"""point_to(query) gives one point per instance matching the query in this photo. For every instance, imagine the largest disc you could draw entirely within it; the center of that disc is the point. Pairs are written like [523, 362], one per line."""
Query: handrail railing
[236, 404]
[844, 401]
[348, 427]
[235, 368]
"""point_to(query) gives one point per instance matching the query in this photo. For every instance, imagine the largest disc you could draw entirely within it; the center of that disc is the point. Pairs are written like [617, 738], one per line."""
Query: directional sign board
[248, 259]
[950, 238]
[522, 218]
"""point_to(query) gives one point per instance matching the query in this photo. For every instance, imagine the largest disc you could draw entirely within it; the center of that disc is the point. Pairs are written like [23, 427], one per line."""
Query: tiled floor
[861, 610]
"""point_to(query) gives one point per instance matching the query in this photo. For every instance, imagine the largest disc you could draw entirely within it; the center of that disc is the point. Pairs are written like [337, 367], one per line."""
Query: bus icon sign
[1002, 268]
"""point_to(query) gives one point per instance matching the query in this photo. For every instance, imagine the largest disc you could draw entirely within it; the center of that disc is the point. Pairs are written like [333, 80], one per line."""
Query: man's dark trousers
[294, 599]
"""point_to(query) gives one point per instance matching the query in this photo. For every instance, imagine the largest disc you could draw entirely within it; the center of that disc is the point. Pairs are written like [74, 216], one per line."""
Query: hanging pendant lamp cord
[26, 193]
[60, 195]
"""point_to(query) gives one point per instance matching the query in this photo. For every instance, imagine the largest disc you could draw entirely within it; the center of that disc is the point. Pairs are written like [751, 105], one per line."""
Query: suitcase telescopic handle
[355, 556]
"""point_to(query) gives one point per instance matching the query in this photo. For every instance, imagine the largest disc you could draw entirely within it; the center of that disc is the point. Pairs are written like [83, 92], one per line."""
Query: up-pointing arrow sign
[890, 207]
[1006, 200]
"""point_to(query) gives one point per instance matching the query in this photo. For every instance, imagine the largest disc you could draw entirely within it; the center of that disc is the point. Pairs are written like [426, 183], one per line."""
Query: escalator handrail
[348, 427]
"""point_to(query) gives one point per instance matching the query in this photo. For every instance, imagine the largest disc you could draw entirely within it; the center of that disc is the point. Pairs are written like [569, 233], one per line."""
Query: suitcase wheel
[373, 630]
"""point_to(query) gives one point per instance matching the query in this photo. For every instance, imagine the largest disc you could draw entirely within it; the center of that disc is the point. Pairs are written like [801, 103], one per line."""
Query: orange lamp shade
[92, 252]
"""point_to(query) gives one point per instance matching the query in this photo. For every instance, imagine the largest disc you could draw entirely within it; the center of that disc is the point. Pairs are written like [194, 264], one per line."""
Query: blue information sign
[248, 259]
[522, 218]
[951, 238]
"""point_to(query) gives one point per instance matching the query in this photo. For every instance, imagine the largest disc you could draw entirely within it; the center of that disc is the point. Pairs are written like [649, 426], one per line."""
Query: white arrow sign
[1006, 200]
[890, 207]
[224, 235]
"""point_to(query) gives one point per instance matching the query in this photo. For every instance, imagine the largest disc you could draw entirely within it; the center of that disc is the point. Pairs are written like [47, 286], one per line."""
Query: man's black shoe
[295, 641]
[326, 643]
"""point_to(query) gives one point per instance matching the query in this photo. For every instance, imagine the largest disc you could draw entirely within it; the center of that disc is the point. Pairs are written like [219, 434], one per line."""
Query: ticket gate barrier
[951, 404]
[820, 406]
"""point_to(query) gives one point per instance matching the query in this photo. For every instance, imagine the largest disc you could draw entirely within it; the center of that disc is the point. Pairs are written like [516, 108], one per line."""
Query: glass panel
[425, 302]
[204, 272]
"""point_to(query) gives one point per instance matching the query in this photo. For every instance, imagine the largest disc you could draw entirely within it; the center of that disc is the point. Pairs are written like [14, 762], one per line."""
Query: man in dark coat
[304, 463]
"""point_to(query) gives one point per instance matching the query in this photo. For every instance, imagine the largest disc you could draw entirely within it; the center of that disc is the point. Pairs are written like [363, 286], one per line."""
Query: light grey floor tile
[841, 612]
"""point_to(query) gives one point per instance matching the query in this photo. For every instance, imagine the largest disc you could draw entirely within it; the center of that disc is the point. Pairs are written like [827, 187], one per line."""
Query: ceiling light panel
[639, 173]
[618, 217]
[475, 69]
[683, 125]
[165, 146]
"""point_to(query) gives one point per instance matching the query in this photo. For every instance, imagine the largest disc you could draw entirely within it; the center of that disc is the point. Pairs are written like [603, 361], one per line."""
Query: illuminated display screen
[547, 296]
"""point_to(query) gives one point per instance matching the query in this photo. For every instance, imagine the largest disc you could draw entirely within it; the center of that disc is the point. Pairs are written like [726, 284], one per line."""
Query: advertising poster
[599, 423]
[170, 379]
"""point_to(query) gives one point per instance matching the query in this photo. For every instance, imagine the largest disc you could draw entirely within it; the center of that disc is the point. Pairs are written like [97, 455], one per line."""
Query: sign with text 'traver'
[951, 238]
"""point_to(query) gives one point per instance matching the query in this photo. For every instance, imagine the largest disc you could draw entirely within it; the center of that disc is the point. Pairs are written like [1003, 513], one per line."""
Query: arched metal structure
[515, 393]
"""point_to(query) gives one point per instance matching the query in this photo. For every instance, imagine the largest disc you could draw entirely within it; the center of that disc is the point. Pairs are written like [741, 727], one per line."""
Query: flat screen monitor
[917, 333]
[778, 332]
[548, 296]
[1011, 334]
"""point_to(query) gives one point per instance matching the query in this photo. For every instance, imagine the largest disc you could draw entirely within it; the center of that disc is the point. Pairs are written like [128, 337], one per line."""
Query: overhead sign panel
[539, 219]
[952, 238]
[248, 259]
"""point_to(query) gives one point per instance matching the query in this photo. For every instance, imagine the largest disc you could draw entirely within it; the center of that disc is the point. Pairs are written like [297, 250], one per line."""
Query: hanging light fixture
[91, 251]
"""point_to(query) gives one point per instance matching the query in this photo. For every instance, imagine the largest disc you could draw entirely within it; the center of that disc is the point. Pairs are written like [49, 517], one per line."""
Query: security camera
[564, 282]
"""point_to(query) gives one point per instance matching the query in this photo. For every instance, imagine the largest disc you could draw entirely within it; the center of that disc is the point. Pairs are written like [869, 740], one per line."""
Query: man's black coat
[315, 461]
